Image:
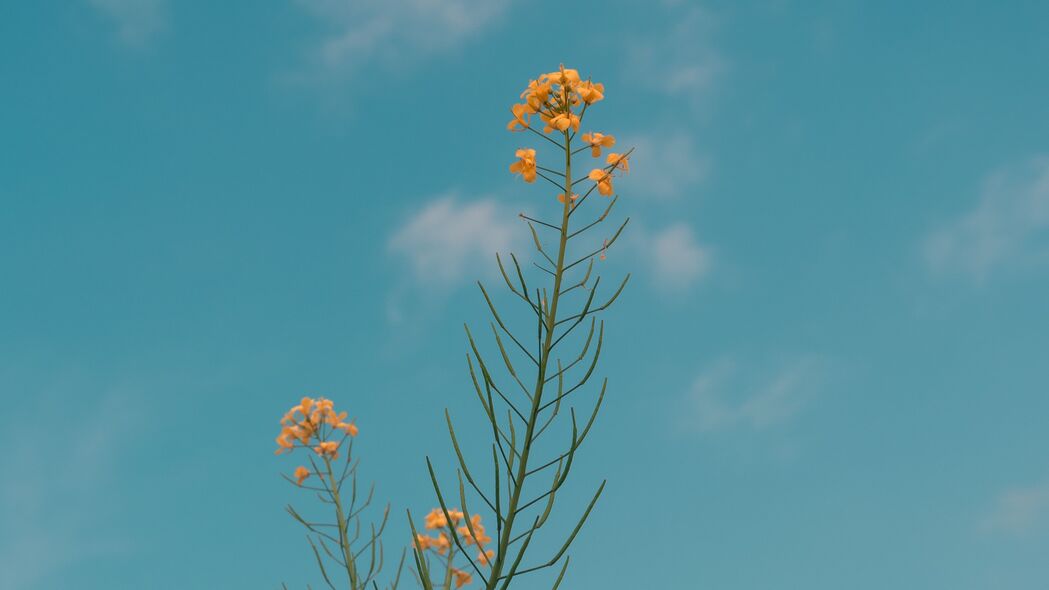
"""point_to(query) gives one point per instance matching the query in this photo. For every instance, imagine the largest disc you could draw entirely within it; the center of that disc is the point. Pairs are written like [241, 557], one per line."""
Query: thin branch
[539, 221]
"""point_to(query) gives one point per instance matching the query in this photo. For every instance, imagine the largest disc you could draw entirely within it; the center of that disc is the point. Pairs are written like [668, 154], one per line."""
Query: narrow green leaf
[562, 574]
[420, 557]
[320, 563]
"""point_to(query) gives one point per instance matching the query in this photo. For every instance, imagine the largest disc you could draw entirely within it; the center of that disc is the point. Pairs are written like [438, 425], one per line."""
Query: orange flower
[475, 523]
[301, 473]
[323, 411]
[561, 198]
[603, 180]
[462, 578]
[590, 92]
[485, 557]
[284, 442]
[304, 421]
[597, 141]
[618, 161]
[423, 542]
[436, 519]
[301, 432]
[561, 122]
[525, 166]
[536, 94]
[327, 448]
[564, 77]
[521, 113]
[441, 543]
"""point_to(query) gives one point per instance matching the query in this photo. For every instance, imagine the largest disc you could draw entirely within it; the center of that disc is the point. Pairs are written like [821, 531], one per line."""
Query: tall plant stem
[344, 538]
[537, 394]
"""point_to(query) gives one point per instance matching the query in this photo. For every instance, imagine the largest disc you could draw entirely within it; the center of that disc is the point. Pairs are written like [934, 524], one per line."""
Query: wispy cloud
[668, 164]
[137, 21]
[1019, 510]
[452, 240]
[1010, 223]
[665, 165]
[674, 256]
[450, 236]
[727, 397]
[682, 61]
[362, 32]
[56, 494]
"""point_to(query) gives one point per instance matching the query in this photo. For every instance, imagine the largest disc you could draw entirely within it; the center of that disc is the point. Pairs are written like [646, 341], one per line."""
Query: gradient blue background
[830, 370]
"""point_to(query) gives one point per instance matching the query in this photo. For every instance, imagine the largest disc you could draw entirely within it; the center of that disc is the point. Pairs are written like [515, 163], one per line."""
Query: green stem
[551, 322]
[344, 538]
[448, 566]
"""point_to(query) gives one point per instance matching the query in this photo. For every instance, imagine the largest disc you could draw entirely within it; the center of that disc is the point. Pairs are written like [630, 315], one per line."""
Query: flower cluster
[436, 520]
[312, 423]
[560, 99]
[552, 96]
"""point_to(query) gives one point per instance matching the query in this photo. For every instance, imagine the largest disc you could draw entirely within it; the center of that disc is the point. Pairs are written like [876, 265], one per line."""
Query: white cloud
[1010, 223]
[1019, 510]
[448, 238]
[137, 21]
[681, 61]
[56, 495]
[664, 166]
[396, 31]
[724, 397]
[677, 260]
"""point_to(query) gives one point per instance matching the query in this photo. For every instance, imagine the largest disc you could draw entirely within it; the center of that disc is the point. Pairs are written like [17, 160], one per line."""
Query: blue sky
[830, 370]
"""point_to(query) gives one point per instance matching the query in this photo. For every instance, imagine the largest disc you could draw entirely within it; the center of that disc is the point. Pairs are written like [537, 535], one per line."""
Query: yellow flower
[536, 94]
[327, 448]
[284, 442]
[423, 542]
[323, 411]
[521, 113]
[475, 522]
[603, 180]
[301, 473]
[561, 122]
[564, 77]
[618, 161]
[332, 419]
[442, 543]
[303, 421]
[303, 432]
[590, 92]
[436, 519]
[597, 141]
[525, 166]
[561, 198]
[485, 557]
[462, 578]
